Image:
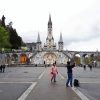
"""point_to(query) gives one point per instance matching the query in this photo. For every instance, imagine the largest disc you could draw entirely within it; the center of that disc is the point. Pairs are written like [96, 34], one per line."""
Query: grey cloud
[89, 37]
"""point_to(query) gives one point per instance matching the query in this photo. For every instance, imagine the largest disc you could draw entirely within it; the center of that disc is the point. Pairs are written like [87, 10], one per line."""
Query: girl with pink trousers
[53, 72]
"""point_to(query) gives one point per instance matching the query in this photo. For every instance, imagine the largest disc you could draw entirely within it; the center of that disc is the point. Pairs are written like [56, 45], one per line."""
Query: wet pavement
[89, 81]
[16, 80]
[91, 90]
[12, 91]
[47, 90]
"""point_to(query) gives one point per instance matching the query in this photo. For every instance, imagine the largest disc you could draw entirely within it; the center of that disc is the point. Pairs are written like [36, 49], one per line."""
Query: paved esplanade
[45, 90]
[33, 83]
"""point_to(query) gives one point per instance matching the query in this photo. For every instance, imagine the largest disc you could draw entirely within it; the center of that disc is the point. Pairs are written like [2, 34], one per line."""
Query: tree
[86, 60]
[9, 36]
[3, 21]
[15, 40]
[4, 38]
[77, 60]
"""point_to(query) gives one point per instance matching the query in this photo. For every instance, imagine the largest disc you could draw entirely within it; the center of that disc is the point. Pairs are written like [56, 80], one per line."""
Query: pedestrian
[90, 66]
[69, 73]
[0, 68]
[3, 68]
[84, 67]
[53, 72]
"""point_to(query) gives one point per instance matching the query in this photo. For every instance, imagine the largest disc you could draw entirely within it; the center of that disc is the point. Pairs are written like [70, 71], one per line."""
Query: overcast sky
[77, 20]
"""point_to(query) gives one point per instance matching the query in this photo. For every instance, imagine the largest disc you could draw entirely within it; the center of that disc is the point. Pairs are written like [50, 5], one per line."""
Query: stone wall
[98, 64]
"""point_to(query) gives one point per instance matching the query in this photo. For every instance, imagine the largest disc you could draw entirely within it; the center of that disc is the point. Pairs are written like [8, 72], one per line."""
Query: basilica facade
[49, 53]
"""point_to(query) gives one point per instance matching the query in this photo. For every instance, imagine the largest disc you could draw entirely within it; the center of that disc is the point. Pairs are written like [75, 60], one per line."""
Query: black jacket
[69, 68]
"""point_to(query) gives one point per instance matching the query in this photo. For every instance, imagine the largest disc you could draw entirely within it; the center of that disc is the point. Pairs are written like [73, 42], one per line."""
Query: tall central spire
[49, 22]
[50, 40]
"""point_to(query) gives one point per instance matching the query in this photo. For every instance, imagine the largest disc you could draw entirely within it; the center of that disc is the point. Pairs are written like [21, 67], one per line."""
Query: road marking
[41, 74]
[26, 93]
[16, 82]
[62, 77]
[90, 82]
[80, 94]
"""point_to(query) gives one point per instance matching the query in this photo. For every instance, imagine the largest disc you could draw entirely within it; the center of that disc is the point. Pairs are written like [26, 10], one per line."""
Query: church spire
[61, 40]
[49, 22]
[49, 17]
[38, 45]
[60, 43]
[38, 38]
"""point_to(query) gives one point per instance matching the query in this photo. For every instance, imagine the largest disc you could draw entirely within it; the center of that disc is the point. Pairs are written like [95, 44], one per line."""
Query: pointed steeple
[61, 40]
[60, 43]
[49, 17]
[38, 38]
[49, 22]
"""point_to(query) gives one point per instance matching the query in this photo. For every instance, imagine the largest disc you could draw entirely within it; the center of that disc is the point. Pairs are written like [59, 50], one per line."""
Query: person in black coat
[0, 68]
[3, 68]
[70, 73]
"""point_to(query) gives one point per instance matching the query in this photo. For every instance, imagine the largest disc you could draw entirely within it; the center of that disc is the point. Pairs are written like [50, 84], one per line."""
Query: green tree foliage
[86, 60]
[3, 21]
[9, 36]
[4, 38]
[15, 40]
[91, 58]
[97, 58]
[77, 60]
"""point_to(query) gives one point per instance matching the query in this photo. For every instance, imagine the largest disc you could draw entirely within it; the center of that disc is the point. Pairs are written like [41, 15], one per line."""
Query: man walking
[69, 73]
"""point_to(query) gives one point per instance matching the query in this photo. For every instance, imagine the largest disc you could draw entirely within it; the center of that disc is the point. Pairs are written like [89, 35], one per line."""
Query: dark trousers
[3, 69]
[69, 80]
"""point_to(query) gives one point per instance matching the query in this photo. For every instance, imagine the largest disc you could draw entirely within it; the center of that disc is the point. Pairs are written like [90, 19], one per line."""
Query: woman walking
[53, 72]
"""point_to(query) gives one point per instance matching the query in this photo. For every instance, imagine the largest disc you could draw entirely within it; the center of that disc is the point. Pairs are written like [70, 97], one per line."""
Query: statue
[3, 21]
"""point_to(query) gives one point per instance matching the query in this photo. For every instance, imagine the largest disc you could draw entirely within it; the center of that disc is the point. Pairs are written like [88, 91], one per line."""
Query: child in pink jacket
[54, 71]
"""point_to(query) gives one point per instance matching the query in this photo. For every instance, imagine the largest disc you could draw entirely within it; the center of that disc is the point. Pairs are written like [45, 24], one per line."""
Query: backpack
[76, 82]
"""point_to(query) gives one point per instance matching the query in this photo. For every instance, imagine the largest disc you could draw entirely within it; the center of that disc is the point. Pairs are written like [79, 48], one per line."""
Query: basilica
[49, 53]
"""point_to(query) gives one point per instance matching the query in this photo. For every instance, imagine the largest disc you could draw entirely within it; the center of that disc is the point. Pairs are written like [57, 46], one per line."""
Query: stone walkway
[33, 83]
[45, 90]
